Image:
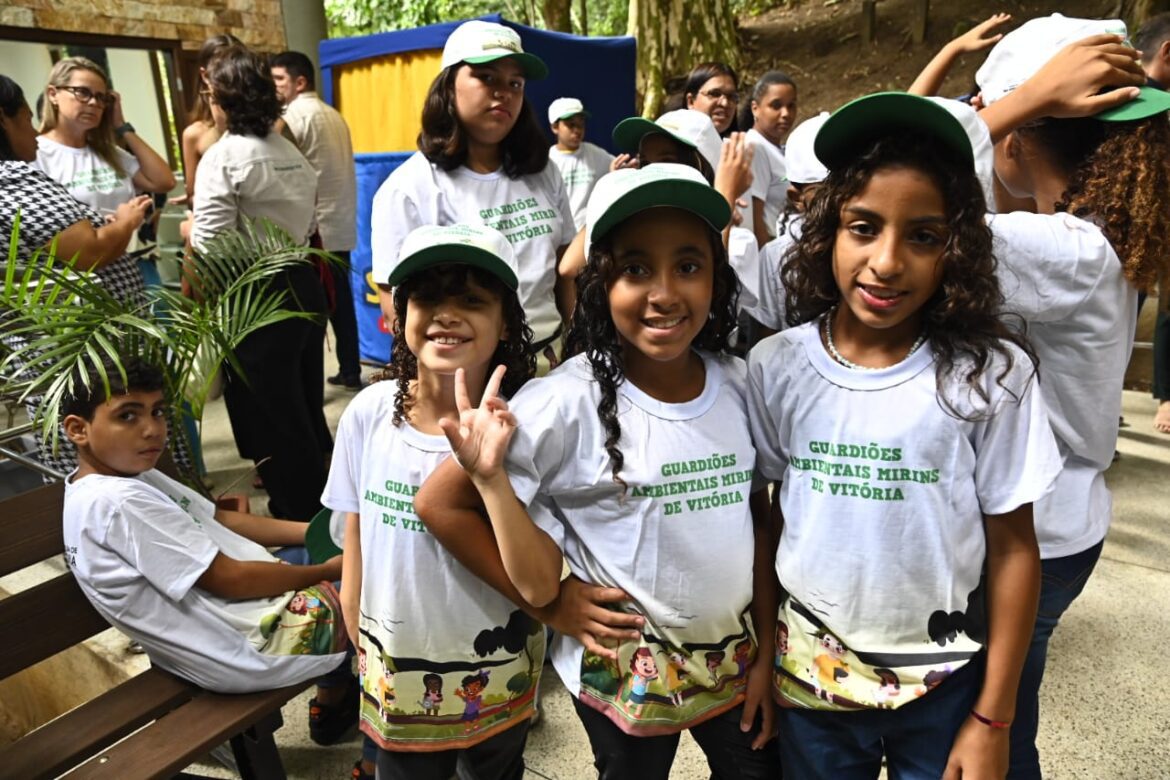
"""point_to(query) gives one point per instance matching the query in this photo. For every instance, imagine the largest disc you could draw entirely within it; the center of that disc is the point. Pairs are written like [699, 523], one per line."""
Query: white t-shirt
[323, 138]
[580, 170]
[243, 178]
[424, 617]
[533, 212]
[679, 541]
[137, 545]
[769, 178]
[88, 177]
[1060, 274]
[883, 498]
[761, 291]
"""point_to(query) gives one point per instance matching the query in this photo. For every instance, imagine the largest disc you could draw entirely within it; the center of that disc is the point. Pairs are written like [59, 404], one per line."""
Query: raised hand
[479, 438]
[977, 38]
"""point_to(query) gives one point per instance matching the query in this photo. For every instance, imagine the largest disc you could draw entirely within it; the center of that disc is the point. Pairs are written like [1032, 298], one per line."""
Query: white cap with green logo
[475, 245]
[477, 42]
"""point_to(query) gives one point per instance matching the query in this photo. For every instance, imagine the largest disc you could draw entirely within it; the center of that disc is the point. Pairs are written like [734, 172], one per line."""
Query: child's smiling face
[888, 256]
[458, 330]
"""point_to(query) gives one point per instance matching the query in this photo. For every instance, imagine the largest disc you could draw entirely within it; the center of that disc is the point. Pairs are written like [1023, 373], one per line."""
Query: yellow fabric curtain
[382, 99]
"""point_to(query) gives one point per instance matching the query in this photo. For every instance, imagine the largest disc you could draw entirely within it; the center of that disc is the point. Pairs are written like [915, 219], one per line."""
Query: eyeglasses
[87, 95]
[718, 94]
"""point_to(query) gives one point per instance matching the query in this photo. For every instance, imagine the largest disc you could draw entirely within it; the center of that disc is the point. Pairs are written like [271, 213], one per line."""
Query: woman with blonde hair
[81, 129]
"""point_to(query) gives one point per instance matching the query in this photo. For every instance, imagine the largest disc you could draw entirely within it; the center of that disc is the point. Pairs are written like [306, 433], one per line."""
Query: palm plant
[60, 325]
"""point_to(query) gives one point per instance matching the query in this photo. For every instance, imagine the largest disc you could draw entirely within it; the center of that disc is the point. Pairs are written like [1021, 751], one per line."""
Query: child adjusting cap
[1023, 51]
[565, 107]
[623, 193]
[693, 128]
[477, 42]
[857, 124]
[475, 245]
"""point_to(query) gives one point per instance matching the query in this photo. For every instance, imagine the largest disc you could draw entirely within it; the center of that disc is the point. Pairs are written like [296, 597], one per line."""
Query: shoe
[328, 723]
[358, 774]
[348, 381]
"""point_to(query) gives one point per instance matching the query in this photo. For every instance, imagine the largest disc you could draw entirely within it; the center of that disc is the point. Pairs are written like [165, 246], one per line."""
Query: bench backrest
[43, 620]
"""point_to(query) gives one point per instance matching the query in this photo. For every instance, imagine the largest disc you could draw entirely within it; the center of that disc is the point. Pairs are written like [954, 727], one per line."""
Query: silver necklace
[849, 363]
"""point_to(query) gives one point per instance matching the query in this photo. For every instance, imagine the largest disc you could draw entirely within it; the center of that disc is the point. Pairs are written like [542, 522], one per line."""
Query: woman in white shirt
[80, 135]
[252, 173]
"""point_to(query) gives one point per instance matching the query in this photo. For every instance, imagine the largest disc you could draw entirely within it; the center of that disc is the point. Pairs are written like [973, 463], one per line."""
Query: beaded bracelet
[986, 721]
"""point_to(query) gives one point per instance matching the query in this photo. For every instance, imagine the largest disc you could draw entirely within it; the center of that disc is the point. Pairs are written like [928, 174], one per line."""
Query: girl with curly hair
[455, 310]
[634, 462]
[483, 159]
[902, 418]
[1073, 272]
[250, 174]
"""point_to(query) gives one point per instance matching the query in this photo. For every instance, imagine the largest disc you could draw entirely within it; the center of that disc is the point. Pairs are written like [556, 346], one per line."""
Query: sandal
[328, 723]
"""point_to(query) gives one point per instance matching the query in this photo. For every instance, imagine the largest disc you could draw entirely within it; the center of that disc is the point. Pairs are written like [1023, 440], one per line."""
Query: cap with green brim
[475, 245]
[1149, 102]
[687, 126]
[477, 42]
[319, 540]
[620, 195]
[859, 123]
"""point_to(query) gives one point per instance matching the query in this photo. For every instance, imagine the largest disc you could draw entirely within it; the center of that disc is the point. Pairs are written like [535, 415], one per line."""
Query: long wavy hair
[593, 333]
[514, 353]
[964, 319]
[101, 138]
[211, 47]
[1119, 176]
[443, 140]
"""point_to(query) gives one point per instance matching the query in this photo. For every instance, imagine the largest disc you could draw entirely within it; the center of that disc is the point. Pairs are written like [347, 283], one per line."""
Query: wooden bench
[150, 726]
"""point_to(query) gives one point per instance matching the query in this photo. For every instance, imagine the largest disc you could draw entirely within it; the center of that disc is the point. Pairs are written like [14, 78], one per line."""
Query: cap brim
[583, 113]
[1151, 101]
[318, 538]
[859, 123]
[699, 199]
[630, 131]
[534, 67]
[449, 254]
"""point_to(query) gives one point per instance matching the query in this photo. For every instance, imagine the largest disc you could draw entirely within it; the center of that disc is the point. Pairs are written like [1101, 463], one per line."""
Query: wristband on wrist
[123, 128]
[986, 721]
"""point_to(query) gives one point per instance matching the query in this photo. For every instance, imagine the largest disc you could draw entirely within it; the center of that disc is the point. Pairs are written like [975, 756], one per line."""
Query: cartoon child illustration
[714, 661]
[301, 604]
[741, 656]
[890, 687]
[386, 695]
[932, 680]
[781, 642]
[433, 696]
[643, 670]
[830, 668]
[676, 670]
[472, 694]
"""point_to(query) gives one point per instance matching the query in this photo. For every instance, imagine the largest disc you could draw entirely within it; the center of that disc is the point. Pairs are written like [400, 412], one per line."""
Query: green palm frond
[60, 322]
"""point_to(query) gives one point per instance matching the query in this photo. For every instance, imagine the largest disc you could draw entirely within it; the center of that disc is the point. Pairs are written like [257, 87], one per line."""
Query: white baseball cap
[799, 157]
[625, 192]
[693, 128]
[475, 245]
[477, 42]
[1023, 51]
[981, 146]
[563, 108]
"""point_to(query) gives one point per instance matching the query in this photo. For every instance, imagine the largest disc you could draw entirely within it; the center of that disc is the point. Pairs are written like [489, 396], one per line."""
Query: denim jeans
[497, 758]
[915, 739]
[1061, 581]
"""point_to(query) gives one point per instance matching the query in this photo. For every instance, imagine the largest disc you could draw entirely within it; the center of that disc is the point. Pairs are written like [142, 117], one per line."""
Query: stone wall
[258, 23]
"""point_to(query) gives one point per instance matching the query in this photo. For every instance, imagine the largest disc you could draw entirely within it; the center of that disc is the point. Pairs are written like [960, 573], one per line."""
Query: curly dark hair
[1119, 174]
[514, 353]
[964, 318]
[593, 333]
[11, 101]
[241, 83]
[443, 141]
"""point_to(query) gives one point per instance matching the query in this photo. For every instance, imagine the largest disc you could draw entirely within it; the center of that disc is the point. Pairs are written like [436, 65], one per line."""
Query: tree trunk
[674, 36]
[583, 13]
[556, 15]
[1136, 12]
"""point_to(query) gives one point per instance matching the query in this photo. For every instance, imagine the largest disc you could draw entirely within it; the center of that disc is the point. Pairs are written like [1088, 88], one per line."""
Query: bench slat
[177, 739]
[77, 735]
[30, 526]
[44, 620]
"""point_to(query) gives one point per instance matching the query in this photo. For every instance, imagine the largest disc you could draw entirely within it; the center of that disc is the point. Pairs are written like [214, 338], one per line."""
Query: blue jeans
[1061, 581]
[916, 738]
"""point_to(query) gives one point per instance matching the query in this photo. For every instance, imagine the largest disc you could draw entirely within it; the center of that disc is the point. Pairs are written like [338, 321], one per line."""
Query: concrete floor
[1103, 715]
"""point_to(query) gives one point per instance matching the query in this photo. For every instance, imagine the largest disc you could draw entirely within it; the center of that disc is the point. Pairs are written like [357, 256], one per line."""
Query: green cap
[1151, 101]
[858, 123]
[475, 245]
[319, 538]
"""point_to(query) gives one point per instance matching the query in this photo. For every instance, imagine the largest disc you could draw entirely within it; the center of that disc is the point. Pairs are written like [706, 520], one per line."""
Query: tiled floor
[1105, 708]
